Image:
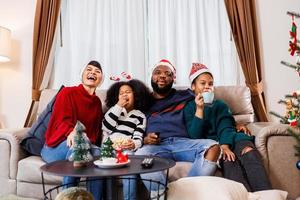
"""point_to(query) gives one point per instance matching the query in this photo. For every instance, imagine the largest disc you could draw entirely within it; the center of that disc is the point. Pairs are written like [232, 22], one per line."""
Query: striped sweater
[118, 124]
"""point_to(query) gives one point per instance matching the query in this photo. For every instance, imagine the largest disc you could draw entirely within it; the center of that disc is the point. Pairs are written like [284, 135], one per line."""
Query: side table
[65, 168]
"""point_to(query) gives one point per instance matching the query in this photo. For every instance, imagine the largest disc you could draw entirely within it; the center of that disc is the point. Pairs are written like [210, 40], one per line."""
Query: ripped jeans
[179, 149]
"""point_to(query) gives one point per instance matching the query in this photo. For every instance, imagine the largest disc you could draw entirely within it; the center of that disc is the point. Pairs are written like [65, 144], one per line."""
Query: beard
[162, 91]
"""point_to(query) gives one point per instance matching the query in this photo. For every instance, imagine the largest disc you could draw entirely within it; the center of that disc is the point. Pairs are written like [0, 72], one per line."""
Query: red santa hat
[197, 69]
[165, 62]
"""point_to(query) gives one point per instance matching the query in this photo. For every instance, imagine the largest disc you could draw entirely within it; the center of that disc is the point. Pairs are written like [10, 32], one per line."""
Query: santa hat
[165, 62]
[95, 64]
[197, 69]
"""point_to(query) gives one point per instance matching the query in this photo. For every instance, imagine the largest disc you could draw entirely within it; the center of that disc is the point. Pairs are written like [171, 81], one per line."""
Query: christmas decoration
[107, 149]
[121, 157]
[292, 101]
[81, 148]
[293, 43]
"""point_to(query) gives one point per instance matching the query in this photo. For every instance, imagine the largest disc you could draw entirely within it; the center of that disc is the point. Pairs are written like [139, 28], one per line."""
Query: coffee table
[65, 168]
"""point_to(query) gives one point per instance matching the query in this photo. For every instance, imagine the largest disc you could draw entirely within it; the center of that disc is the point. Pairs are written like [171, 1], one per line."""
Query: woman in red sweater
[72, 104]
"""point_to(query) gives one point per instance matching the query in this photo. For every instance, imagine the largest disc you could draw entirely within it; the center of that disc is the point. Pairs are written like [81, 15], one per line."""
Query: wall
[274, 25]
[15, 76]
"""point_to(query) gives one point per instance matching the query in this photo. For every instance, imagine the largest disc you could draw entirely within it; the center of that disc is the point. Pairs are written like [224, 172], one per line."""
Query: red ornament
[121, 158]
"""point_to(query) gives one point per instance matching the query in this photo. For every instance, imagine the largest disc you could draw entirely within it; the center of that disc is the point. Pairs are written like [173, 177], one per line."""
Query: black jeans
[247, 169]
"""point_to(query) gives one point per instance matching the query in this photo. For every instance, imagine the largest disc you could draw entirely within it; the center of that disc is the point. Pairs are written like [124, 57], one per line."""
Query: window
[133, 35]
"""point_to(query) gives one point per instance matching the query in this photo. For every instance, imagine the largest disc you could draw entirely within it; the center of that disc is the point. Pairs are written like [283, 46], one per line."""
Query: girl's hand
[123, 100]
[70, 139]
[199, 105]
[129, 145]
[243, 128]
[227, 153]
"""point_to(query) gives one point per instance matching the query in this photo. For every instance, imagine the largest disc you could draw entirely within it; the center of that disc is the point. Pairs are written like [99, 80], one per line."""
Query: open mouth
[91, 78]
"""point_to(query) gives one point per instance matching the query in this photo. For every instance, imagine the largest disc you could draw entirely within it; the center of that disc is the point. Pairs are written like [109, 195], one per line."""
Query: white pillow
[206, 188]
[268, 194]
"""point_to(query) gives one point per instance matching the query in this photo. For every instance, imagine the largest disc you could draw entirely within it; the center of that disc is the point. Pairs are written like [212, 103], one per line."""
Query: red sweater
[72, 104]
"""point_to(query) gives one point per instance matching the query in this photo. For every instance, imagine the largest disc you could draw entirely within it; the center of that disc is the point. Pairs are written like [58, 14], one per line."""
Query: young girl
[125, 121]
[240, 161]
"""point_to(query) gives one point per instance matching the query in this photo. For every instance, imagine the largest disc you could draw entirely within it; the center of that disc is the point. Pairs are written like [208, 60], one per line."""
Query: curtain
[133, 35]
[109, 31]
[45, 21]
[242, 17]
[193, 31]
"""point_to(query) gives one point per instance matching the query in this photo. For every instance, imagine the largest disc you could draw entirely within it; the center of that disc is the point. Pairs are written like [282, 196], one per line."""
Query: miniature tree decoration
[81, 148]
[107, 149]
[292, 101]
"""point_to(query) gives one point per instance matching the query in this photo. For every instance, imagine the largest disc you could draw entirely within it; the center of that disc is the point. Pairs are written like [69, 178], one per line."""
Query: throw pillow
[35, 140]
[268, 194]
[206, 188]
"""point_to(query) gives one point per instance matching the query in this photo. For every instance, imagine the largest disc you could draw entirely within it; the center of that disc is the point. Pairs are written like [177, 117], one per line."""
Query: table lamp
[5, 44]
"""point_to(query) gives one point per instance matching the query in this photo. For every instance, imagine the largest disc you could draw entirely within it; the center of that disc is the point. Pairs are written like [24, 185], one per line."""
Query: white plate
[100, 164]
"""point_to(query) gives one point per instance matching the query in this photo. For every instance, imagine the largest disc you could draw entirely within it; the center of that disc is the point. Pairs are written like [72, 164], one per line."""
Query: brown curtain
[46, 15]
[242, 18]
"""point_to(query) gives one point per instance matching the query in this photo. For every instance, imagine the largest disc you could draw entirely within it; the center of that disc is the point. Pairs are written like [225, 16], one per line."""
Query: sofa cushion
[206, 188]
[29, 171]
[35, 140]
[238, 98]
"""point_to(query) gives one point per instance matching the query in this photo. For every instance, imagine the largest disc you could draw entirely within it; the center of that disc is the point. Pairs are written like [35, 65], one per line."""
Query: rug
[14, 197]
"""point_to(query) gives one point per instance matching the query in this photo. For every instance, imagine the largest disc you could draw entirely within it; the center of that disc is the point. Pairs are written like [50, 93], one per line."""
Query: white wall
[274, 26]
[15, 77]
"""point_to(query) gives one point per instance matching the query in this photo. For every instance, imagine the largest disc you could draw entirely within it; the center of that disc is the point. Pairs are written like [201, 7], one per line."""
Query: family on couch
[179, 126]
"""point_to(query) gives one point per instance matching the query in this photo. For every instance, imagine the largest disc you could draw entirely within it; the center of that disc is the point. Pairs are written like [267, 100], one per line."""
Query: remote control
[147, 162]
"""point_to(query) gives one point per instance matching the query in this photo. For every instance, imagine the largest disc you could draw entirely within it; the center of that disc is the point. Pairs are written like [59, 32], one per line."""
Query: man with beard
[166, 134]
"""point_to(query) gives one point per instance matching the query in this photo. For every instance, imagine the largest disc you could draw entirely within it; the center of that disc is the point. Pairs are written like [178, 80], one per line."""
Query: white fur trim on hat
[81, 74]
[165, 62]
[197, 69]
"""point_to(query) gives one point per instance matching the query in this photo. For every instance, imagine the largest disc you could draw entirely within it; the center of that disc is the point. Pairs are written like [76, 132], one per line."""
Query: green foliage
[81, 147]
[107, 149]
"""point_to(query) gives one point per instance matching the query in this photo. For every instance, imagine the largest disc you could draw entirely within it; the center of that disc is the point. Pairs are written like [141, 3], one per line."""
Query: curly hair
[141, 93]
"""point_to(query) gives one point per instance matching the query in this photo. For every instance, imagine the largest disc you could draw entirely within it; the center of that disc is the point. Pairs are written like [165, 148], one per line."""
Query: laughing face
[91, 76]
[162, 79]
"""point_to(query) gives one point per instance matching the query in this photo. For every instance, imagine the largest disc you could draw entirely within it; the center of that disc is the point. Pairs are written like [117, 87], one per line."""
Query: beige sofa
[20, 174]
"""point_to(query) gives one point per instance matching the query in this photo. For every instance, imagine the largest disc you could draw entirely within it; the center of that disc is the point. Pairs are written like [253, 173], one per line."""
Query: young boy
[240, 160]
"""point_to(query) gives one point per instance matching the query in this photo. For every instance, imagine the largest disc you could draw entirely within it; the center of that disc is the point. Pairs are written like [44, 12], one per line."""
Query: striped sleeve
[139, 131]
[110, 121]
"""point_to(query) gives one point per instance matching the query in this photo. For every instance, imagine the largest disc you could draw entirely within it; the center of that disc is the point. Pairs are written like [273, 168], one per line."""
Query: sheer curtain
[132, 35]
[109, 31]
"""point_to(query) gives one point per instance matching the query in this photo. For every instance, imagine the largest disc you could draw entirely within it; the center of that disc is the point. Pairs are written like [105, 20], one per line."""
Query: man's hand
[227, 153]
[243, 128]
[151, 138]
[70, 139]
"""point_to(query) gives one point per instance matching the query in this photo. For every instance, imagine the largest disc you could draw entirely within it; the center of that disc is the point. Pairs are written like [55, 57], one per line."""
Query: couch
[20, 173]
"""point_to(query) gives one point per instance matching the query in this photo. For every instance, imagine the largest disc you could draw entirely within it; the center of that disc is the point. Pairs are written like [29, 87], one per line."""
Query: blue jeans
[179, 149]
[63, 152]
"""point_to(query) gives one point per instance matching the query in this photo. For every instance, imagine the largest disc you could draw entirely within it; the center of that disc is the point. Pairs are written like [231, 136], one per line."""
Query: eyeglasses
[161, 73]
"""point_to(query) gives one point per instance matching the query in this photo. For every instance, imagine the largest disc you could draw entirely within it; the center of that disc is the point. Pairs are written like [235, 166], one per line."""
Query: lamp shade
[5, 44]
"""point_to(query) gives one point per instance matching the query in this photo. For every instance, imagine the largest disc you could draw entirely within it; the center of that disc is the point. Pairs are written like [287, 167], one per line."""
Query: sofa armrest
[11, 151]
[276, 147]
[263, 131]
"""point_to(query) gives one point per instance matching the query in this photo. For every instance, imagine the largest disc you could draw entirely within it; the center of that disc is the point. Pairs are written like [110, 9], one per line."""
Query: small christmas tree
[107, 149]
[81, 148]
[292, 101]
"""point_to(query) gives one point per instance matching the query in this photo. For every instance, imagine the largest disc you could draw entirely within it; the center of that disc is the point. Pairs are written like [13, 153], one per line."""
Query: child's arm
[193, 123]
[139, 132]
[110, 122]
